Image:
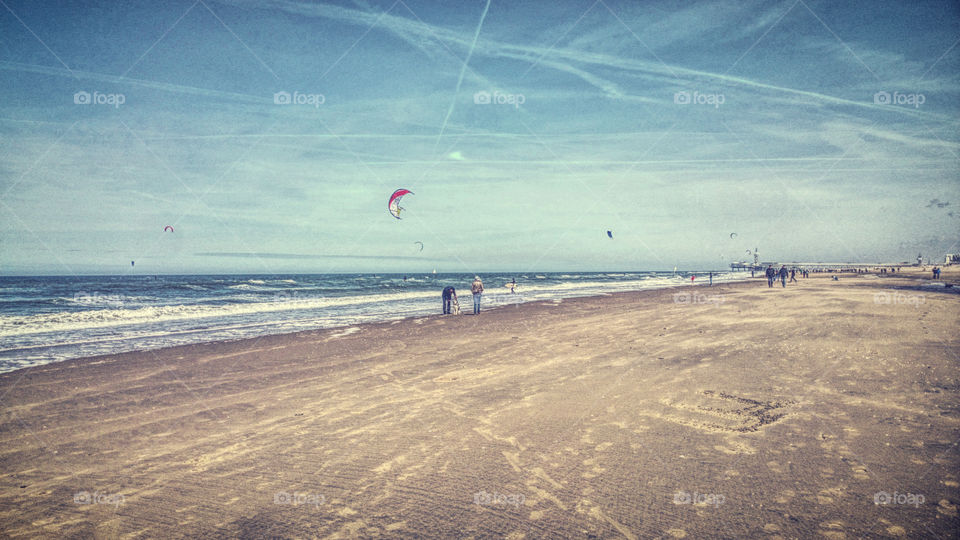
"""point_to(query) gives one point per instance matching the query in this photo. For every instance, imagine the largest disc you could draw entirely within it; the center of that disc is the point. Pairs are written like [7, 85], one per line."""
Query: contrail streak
[463, 69]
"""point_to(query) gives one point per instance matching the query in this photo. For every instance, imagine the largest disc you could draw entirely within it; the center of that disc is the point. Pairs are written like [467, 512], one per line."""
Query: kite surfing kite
[394, 204]
[733, 235]
[610, 234]
[420, 244]
[168, 228]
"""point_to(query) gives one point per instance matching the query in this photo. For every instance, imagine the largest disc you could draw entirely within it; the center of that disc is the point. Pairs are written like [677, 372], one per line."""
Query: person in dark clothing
[783, 276]
[793, 275]
[771, 274]
[449, 295]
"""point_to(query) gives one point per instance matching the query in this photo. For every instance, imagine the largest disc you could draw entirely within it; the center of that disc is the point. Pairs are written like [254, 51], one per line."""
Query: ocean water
[53, 318]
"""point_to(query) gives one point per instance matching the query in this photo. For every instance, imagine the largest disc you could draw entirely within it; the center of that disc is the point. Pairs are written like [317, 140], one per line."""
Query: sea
[46, 319]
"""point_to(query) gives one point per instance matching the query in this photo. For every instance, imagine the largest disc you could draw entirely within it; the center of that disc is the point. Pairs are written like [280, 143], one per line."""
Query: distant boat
[434, 270]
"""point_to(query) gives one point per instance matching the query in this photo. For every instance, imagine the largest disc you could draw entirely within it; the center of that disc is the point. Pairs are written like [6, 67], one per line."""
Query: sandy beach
[826, 409]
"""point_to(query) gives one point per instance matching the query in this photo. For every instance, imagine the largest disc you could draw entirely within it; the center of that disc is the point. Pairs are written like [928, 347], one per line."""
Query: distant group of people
[774, 274]
[449, 297]
[782, 274]
[859, 270]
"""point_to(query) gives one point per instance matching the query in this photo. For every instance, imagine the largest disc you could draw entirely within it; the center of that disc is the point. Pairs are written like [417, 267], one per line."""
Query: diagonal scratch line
[938, 60]
[40, 40]
[552, 46]
[463, 70]
[359, 39]
[759, 39]
[645, 46]
[39, 159]
[842, 42]
[155, 43]
[262, 63]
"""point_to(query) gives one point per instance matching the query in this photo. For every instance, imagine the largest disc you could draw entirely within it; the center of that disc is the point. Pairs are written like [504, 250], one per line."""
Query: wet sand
[711, 412]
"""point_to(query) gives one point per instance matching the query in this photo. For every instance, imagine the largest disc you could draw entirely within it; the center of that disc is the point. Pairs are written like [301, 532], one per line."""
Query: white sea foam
[99, 318]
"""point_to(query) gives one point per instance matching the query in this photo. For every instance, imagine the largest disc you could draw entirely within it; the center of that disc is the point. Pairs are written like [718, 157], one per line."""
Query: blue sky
[813, 130]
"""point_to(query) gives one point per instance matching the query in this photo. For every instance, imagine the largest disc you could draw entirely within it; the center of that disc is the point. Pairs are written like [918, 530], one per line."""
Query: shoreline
[787, 411]
[952, 279]
[492, 295]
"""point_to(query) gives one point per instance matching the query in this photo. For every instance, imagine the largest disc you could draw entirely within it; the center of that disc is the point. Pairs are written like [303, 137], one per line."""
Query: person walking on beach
[477, 289]
[793, 275]
[783, 276]
[449, 296]
[771, 273]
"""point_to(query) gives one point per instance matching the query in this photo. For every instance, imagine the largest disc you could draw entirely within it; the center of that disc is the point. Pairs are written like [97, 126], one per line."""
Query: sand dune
[723, 412]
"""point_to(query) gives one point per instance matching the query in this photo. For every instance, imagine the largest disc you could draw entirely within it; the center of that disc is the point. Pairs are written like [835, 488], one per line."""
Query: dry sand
[726, 412]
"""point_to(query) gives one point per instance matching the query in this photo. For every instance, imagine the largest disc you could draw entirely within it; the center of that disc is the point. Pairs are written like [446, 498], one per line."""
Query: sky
[270, 135]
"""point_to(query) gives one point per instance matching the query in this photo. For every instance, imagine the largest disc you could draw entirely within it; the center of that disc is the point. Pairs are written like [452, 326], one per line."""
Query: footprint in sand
[834, 530]
[677, 533]
[860, 472]
[946, 508]
[786, 496]
[828, 496]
